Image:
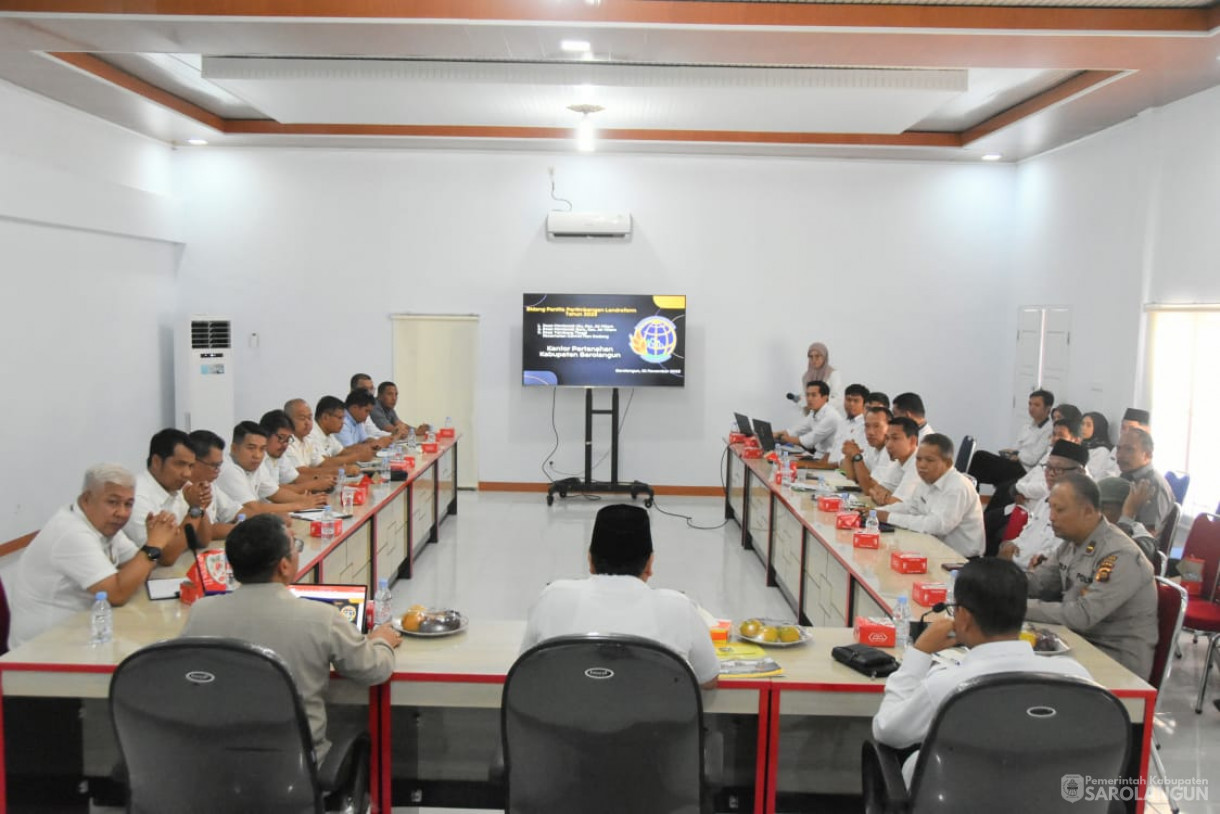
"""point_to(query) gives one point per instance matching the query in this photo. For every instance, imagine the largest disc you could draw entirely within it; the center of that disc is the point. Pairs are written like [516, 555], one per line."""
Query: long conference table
[801, 732]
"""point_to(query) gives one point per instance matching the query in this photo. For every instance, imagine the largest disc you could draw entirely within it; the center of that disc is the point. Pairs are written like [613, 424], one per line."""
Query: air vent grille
[210, 334]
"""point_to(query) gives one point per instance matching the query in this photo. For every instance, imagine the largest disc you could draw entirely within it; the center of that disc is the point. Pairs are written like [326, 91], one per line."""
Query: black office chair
[603, 725]
[210, 724]
[1009, 742]
[965, 454]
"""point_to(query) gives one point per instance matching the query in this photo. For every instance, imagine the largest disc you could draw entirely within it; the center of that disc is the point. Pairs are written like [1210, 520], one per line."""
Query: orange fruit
[787, 633]
[769, 634]
[750, 628]
[411, 620]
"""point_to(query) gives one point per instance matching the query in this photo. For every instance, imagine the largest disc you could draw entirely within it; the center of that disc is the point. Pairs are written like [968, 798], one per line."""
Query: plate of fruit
[772, 632]
[430, 622]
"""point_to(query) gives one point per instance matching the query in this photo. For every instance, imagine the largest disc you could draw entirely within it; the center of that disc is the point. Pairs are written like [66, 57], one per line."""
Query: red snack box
[929, 593]
[847, 520]
[866, 539]
[720, 630]
[779, 474]
[908, 562]
[209, 575]
[429, 449]
[875, 632]
[360, 496]
[751, 452]
[315, 527]
[829, 503]
[752, 442]
[737, 437]
[446, 432]
[405, 465]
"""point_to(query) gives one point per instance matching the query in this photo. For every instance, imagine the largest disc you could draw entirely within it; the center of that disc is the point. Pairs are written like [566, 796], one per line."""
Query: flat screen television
[603, 340]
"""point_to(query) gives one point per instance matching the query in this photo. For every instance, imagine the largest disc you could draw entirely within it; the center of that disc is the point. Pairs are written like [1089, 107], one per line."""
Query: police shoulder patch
[1104, 568]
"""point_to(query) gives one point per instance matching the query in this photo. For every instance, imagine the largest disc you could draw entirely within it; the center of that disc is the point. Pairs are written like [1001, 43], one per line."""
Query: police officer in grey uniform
[1097, 582]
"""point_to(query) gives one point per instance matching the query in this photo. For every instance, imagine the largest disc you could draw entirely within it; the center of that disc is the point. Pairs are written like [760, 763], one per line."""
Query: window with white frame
[1184, 349]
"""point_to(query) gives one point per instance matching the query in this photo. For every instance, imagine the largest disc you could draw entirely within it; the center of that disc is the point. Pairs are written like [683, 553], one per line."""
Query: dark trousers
[987, 467]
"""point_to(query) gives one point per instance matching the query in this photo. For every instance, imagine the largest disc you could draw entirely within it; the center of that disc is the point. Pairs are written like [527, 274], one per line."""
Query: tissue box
[875, 632]
[751, 452]
[405, 465]
[829, 503]
[737, 437]
[866, 539]
[929, 593]
[908, 562]
[209, 575]
[429, 449]
[847, 520]
[779, 473]
[446, 432]
[315, 527]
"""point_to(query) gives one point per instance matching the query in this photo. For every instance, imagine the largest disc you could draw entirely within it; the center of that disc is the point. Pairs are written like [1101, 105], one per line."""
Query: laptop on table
[351, 600]
[766, 439]
[743, 425]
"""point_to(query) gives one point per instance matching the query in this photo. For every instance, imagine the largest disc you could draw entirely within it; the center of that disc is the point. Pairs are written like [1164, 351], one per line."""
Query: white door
[1044, 339]
[1028, 364]
[435, 358]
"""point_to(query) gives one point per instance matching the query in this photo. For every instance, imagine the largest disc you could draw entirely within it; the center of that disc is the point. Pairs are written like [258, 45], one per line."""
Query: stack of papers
[746, 660]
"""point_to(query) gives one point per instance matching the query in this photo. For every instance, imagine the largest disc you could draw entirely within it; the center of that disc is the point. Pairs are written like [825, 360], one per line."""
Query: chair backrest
[209, 724]
[4, 620]
[1203, 542]
[1170, 611]
[1178, 482]
[965, 454]
[1169, 527]
[602, 725]
[1021, 737]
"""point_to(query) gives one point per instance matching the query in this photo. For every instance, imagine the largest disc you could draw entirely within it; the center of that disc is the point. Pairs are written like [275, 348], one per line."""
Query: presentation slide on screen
[604, 340]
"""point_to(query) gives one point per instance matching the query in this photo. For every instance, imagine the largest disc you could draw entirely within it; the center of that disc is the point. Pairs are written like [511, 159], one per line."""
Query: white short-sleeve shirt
[625, 605]
[151, 497]
[244, 487]
[56, 570]
[303, 453]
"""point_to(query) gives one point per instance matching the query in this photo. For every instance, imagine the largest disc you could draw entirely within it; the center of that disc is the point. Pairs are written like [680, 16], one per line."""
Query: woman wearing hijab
[819, 370]
[1095, 437]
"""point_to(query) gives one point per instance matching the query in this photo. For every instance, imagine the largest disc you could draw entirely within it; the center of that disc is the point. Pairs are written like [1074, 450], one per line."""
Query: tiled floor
[501, 549]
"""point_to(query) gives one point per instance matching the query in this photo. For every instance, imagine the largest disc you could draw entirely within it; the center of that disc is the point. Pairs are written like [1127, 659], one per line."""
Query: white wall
[85, 225]
[890, 264]
[1111, 222]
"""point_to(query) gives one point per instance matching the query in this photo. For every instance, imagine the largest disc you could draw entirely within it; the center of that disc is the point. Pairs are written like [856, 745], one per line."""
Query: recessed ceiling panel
[813, 100]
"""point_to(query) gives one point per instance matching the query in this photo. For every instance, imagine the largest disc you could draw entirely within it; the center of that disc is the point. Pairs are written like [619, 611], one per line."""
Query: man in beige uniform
[1097, 582]
[309, 636]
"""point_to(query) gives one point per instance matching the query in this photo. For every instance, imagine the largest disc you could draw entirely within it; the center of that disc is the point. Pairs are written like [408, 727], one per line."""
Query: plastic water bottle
[101, 620]
[902, 623]
[785, 469]
[383, 469]
[448, 423]
[411, 440]
[340, 479]
[950, 599]
[328, 525]
[382, 602]
[872, 525]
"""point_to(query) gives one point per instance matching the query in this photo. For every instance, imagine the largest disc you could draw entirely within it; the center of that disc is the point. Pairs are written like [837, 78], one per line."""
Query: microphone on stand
[793, 397]
[192, 539]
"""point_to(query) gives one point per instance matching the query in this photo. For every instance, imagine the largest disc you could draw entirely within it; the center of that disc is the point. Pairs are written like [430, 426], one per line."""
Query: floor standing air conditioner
[205, 376]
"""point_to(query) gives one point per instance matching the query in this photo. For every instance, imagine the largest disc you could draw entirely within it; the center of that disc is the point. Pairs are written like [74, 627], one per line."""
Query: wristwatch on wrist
[152, 552]
[195, 512]
[857, 458]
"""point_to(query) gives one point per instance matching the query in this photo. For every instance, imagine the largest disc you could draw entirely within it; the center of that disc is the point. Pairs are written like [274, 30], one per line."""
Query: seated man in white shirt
[990, 602]
[851, 425]
[358, 406]
[1030, 489]
[363, 381]
[82, 551]
[1033, 440]
[244, 480]
[306, 451]
[897, 480]
[1037, 539]
[617, 599]
[278, 427]
[165, 486]
[910, 405]
[945, 505]
[328, 421]
[819, 427]
[209, 457]
[860, 461]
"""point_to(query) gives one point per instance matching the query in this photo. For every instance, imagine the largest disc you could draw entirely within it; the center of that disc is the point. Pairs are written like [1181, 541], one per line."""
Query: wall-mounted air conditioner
[605, 225]
[204, 375]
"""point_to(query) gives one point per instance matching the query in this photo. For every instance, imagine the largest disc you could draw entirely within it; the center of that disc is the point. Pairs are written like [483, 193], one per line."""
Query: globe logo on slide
[654, 339]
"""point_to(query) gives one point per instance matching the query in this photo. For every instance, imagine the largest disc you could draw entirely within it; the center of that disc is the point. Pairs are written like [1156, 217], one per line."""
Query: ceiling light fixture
[586, 133]
[575, 46]
[197, 142]
[992, 157]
